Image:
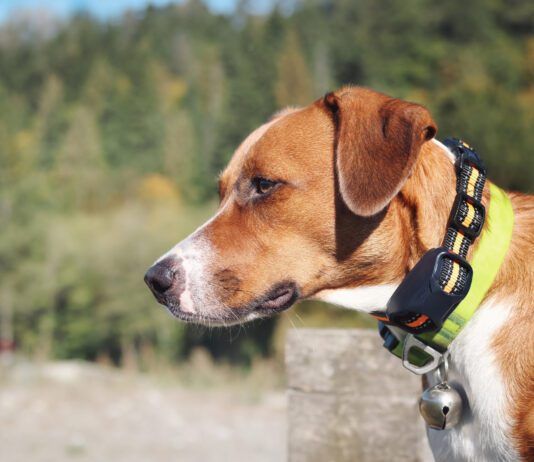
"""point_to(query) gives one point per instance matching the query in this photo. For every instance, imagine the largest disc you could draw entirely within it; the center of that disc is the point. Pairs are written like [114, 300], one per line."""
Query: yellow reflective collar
[487, 258]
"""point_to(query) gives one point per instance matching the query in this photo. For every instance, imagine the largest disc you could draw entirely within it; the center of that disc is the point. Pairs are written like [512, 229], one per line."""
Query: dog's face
[303, 209]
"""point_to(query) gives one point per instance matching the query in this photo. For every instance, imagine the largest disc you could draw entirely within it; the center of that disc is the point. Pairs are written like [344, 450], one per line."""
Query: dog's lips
[279, 299]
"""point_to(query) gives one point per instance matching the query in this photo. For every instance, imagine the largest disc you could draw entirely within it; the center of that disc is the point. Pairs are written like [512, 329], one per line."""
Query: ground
[58, 412]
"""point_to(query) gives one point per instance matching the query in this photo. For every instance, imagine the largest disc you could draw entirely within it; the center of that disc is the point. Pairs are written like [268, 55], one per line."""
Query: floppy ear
[378, 140]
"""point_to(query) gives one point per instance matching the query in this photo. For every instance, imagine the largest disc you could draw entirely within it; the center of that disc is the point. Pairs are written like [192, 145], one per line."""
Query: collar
[442, 292]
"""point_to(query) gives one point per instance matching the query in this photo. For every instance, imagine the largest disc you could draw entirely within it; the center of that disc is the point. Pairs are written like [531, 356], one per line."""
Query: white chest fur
[483, 434]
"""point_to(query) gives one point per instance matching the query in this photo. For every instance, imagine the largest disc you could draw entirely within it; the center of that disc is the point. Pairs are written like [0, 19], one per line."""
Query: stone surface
[350, 400]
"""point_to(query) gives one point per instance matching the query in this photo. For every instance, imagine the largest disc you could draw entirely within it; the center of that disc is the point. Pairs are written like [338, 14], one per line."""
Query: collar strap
[442, 292]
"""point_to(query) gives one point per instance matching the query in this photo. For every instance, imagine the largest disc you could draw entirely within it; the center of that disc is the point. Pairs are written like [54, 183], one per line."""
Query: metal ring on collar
[412, 342]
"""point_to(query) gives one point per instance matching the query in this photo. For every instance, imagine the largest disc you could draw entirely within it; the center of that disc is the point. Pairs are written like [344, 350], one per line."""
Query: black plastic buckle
[465, 155]
[455, 220]
[390, 341]
[420, 293]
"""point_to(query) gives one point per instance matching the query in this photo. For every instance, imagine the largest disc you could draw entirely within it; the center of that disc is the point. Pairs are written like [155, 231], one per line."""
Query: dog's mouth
[279, 298]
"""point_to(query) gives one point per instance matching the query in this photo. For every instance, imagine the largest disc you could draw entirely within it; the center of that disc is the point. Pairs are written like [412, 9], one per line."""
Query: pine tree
[80, 166]
[294, 85]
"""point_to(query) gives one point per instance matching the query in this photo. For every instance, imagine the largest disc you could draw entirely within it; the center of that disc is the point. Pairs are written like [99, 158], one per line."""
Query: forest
[112, 135]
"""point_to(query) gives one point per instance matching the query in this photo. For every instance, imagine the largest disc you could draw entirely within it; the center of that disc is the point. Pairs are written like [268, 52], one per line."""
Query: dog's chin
[278, 299]
[204, 319]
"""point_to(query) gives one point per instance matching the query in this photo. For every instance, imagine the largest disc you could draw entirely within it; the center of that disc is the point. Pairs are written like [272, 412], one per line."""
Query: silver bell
[441, 406]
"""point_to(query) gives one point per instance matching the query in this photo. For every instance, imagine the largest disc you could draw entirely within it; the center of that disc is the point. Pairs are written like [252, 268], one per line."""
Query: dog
[337, 201]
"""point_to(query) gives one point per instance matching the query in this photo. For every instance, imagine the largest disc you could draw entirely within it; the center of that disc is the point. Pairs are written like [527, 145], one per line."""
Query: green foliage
[112, 135]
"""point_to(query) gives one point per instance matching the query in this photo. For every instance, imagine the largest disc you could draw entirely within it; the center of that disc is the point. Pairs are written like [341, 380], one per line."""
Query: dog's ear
[378, 139]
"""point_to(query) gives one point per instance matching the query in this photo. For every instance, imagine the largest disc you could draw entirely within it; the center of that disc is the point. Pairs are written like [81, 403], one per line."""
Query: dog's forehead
[286, 133]
[243, 152]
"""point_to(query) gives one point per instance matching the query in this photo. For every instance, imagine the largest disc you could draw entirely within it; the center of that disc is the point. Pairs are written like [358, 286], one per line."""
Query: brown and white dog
[337, 201]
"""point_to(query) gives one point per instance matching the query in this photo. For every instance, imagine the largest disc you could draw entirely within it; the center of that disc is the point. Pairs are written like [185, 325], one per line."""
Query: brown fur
[515, 342]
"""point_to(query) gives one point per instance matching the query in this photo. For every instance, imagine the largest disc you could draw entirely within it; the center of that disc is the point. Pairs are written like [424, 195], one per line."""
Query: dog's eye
[262, 185]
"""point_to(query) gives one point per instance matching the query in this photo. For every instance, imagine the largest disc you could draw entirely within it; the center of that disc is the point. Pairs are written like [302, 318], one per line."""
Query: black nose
[160, 277]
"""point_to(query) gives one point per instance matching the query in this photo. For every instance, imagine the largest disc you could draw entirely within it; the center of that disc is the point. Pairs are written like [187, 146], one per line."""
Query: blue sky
[104, 9]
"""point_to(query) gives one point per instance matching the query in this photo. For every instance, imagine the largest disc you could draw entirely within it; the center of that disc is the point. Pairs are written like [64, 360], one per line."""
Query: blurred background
[115, 119]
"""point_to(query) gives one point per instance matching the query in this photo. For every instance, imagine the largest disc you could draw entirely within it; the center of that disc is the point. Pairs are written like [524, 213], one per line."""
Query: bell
[441, 406]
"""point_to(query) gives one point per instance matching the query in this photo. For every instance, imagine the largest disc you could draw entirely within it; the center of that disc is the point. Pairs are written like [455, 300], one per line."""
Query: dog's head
[303, 208]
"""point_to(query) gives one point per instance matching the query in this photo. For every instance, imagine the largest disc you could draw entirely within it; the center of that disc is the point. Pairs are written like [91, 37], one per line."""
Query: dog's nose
[161, 276]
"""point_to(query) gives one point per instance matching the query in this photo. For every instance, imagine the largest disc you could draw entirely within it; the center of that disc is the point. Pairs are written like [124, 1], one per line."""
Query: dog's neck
[424, 203]
[415, 221]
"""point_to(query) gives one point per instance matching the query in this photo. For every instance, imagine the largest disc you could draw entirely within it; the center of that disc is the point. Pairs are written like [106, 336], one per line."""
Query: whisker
[299, 318]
